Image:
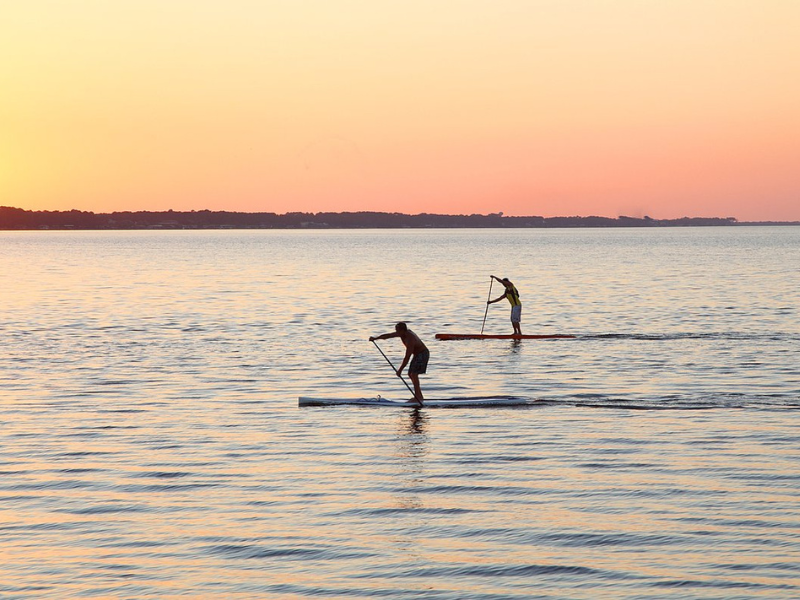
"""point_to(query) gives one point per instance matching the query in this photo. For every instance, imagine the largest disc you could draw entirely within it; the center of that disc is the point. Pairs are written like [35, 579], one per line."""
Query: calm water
[151, 443]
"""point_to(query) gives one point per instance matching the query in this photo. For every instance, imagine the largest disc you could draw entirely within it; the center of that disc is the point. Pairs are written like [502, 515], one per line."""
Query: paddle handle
[491, 281]
[395, 370]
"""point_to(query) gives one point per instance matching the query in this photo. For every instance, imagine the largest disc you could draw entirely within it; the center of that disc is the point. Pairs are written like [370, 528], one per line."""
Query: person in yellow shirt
[512, 295]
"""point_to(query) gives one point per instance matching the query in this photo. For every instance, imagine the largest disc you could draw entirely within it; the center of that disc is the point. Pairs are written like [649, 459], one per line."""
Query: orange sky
[530, 107]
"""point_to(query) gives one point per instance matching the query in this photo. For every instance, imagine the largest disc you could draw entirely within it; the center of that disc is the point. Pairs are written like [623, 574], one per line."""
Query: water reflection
[412, 448]
[417, 425]
[412, 438]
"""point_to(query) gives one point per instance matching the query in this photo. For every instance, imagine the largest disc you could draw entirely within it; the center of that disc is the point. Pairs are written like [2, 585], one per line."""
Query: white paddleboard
[465, 402]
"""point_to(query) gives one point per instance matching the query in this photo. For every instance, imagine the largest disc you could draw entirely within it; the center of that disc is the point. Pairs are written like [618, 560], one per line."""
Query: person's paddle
[491, 281]
[395, 370]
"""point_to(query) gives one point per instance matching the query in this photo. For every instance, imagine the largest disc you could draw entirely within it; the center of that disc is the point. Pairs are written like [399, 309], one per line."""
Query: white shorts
[516, 313]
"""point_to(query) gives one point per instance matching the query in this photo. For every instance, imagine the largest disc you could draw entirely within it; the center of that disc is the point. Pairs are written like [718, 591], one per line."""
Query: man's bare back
[412, 342]
[414, 348]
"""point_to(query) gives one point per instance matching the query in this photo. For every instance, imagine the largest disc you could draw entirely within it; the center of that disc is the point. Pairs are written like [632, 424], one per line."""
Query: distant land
[20, 219]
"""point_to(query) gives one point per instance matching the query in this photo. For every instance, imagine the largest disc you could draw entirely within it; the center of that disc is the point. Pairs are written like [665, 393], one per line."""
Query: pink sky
[529, 107]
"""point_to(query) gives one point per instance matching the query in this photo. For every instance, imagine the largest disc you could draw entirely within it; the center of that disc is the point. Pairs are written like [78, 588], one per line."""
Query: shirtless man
[415, 348]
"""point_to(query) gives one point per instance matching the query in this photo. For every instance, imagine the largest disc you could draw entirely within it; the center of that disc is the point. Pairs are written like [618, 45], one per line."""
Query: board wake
[487, 336]
[464, 402]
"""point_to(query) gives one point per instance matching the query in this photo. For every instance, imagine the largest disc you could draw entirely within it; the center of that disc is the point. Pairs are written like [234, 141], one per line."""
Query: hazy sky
[663, 108]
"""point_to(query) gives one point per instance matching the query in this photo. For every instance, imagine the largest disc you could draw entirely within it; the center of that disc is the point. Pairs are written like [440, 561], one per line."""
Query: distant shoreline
[12, 219]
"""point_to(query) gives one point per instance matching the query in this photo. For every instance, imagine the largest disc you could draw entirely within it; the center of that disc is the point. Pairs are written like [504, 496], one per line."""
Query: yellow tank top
[513, 296]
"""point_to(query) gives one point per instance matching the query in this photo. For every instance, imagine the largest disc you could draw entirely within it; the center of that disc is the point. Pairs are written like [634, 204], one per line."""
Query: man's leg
[516, 317]
[417, 391]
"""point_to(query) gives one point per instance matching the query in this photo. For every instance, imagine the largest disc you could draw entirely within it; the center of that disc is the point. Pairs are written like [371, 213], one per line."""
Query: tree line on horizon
[20, 219]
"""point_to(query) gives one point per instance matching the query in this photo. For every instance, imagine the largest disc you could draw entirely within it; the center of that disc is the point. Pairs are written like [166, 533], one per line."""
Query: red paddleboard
[486, 336]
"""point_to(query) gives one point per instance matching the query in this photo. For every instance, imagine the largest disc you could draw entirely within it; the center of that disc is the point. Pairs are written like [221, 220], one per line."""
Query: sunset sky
[665, 108]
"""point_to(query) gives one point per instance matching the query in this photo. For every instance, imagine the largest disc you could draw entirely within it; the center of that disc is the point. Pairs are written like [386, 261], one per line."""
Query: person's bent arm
[404, 363]
[496, 299]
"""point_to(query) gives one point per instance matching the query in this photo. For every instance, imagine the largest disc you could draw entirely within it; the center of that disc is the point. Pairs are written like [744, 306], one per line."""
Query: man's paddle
[491, 281]
[395, 370]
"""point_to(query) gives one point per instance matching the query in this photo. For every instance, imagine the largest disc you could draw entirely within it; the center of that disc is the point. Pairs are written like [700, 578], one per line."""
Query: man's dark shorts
[419, 364]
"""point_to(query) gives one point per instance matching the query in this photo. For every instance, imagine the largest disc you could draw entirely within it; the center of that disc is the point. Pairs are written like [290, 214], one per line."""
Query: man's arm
[405, 362]
[384, 336]
[495, 277]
